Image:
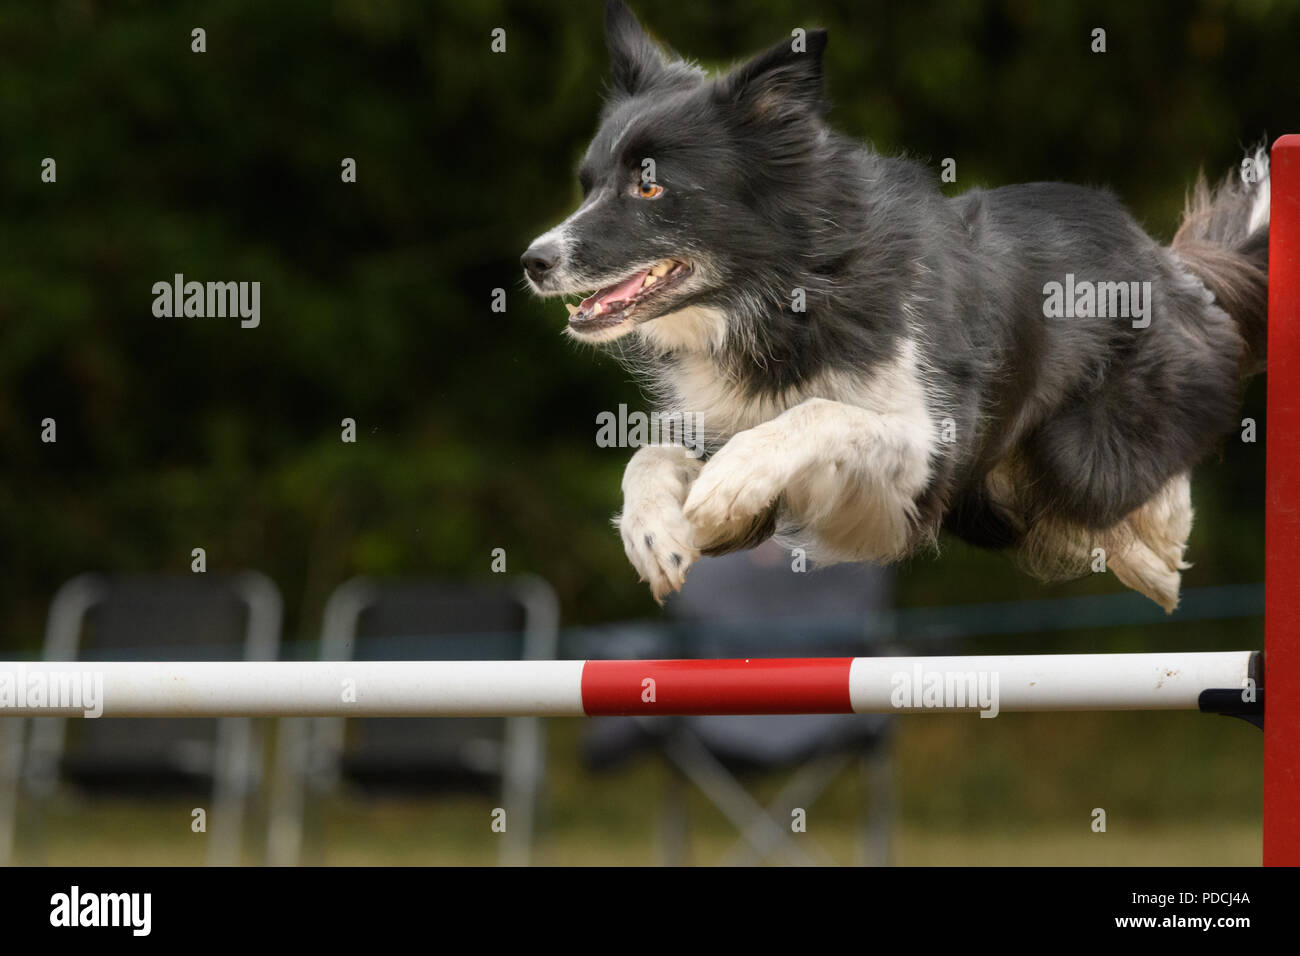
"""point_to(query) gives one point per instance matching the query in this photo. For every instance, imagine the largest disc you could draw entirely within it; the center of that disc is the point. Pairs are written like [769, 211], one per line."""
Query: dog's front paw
[658, 539]
[659, 545]
[736, 486]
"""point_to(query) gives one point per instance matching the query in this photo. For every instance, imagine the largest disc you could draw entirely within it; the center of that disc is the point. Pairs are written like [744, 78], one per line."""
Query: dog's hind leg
[1145, 550]
[1148, 545]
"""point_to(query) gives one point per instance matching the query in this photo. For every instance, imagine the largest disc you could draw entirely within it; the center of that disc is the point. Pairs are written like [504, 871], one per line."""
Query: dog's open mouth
[613, 304]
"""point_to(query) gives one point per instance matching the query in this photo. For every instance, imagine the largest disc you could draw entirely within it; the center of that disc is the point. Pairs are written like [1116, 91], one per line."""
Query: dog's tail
[1224, 241]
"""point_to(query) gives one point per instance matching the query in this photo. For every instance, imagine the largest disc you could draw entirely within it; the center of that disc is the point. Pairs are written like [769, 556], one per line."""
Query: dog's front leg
[849, 475]
[658, 539]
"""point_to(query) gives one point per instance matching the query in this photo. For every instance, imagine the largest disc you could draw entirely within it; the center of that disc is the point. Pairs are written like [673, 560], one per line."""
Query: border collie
[872, 361]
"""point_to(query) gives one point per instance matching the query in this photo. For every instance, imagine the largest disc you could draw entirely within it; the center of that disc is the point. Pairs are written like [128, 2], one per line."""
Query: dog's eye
[649, 190]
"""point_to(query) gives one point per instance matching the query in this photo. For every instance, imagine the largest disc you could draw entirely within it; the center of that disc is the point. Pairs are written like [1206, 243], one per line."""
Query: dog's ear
[634, 60]
[785, 80]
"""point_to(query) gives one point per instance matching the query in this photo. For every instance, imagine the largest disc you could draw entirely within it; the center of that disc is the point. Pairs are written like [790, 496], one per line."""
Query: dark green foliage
[475, 428]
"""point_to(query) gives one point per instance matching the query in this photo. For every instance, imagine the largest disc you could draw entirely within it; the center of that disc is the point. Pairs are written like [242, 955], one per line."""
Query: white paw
[659, 545]
[658, 539]
[738, 484]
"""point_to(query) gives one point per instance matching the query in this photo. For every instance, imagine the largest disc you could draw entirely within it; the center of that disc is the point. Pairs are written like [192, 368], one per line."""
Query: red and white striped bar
[882, 685]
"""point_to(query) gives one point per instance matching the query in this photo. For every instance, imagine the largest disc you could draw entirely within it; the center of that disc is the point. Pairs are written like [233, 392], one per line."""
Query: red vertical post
[1282, 515]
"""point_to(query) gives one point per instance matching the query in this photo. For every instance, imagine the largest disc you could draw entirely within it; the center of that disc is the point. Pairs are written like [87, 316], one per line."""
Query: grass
[1176, 788]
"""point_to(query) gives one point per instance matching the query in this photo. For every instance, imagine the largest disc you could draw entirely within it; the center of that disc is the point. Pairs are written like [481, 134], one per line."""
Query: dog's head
[690, 185]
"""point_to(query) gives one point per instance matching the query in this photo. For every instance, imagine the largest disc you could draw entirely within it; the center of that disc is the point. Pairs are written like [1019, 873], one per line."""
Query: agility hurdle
[1223, 682]
[848, 685]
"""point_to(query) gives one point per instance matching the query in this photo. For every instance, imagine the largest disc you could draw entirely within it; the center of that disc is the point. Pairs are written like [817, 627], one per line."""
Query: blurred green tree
[475, 428]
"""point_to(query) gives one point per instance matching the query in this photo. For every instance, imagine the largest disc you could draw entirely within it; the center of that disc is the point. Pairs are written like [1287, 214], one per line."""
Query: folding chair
[753, 605]
[367, 619]
[11, 756]
[199, 617]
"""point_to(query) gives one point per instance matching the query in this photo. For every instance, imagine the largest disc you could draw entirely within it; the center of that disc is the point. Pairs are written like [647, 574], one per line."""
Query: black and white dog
[872, 361]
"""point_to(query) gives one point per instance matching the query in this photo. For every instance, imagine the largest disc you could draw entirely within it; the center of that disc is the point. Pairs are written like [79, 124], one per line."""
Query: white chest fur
[722, 408]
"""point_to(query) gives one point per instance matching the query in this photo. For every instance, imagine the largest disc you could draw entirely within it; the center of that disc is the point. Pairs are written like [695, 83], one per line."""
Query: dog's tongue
[616, 293]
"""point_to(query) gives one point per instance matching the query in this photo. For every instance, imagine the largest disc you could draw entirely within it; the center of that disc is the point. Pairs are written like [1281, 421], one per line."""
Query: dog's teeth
[649, 280]
[598, 308]
[661, 269]
[571, 307]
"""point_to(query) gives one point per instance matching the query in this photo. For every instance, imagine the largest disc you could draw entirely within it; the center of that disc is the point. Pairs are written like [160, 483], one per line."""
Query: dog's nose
[540, 259]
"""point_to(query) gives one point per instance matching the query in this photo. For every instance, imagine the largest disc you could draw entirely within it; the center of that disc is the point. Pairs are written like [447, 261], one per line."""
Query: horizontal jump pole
[880, 685]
